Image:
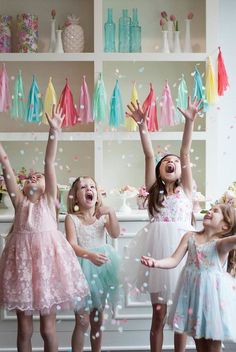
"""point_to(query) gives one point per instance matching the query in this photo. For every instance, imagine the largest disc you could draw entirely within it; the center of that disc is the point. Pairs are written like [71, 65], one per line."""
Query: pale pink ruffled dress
[38, 268]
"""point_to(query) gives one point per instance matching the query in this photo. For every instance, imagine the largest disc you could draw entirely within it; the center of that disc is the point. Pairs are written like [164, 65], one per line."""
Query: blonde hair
[229, 215]
[72, 198]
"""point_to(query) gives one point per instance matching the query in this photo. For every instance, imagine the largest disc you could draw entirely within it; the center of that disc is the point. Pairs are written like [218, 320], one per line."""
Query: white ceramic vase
[52, 44]
[177, 47]
[59, 47]
[165, 44]
[170, 36]
[187, 39]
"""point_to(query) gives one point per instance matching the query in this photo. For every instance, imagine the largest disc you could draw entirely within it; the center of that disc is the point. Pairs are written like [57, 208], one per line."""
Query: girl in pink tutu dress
[39, 271]
[169, 184]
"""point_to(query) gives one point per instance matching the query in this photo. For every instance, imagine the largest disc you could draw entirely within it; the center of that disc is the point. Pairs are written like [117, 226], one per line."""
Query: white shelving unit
[114, 158]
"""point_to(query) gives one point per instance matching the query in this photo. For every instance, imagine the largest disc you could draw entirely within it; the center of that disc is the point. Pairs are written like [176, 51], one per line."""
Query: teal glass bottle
[135, 34]
[124, 32]
[110, 33]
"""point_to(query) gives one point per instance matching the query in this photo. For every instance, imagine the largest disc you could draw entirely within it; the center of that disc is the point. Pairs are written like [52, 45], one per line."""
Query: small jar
[5, 34]
[27, 33]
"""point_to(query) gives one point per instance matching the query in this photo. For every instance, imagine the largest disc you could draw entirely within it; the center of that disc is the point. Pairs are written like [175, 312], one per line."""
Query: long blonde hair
[72, 201]
[229, 215]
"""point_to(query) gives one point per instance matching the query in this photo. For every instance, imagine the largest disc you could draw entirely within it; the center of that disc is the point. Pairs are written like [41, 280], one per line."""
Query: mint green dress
[103, 280]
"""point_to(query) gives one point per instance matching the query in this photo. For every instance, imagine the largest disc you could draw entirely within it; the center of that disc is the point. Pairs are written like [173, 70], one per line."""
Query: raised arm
[139, 116]
[225, 245]
[55, 123]
[9, 178]
[190, 114]
[112, 225]
[96, 258]
[170, 262]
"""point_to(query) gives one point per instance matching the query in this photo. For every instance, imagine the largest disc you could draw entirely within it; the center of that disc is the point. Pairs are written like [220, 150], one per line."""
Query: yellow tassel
[49, 101]
[211, 87]
[130, 124]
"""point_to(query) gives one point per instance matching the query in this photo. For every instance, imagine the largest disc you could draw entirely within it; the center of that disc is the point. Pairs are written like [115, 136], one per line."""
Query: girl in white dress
[169, 184]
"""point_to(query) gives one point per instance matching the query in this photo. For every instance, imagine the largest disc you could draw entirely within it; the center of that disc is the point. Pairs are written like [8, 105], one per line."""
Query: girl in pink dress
[39, 271]
[169, 184]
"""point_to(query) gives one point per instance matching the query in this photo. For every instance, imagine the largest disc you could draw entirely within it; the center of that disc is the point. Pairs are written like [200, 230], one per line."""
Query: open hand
[137, 113]
[192, 109]
[55, 121]
[148, 261]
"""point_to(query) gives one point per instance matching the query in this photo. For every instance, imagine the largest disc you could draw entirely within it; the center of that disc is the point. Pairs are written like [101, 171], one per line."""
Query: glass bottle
[135, 34]
[124, 32]
[110, 32]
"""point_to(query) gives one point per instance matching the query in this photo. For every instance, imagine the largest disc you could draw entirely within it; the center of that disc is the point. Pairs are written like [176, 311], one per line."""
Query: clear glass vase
[124, 32]
[135, 34]
[110, 33]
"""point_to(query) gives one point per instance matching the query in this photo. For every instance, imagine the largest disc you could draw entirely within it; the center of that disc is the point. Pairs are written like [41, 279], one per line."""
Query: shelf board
[104, 57]
[96, 136]
[154, 57]
[47, 57]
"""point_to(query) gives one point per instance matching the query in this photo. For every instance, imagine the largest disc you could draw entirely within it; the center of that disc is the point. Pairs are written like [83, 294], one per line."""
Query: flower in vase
[163, 23]
[53, 13]
[164, 15]
[229, 196]
[190, 16]
[175, 22]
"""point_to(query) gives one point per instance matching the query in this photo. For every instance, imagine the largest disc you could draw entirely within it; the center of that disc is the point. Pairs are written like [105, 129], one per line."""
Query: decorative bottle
[59, 47]
[73, 35]
[187, 39]
[135, 34]
[27, 33]
[110, 33]
[124, 32]
[52, 44]
[5, 34]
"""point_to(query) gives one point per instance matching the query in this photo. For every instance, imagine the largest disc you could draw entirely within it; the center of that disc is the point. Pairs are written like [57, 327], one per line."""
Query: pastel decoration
[4, 90]
[130, 124]
[99, 100]
[35, 105]
[18, 101]
[182, 100]
[223, 82]
[49, 100]
[27, 33]
[116, 117]
[66, 103]
[150, 106]
[84, 108]
[198, 90]
[211, 88]
[167, 113]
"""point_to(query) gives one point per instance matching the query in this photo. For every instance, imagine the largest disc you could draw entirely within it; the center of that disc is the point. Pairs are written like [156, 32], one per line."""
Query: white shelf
[95, 136]
[47, 57]
[154, 57]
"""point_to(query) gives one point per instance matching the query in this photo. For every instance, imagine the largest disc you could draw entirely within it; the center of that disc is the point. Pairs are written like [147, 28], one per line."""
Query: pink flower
[164, 15]
[190, 16]
[162, 23]
[172, 18]
[53, 13]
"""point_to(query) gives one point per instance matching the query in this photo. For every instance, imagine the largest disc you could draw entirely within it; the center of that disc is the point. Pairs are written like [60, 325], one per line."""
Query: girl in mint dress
[205, 300]
[87, 224]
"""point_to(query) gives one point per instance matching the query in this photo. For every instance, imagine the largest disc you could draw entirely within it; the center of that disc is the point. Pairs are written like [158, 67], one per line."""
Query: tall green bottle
[135, 34]
[124, 32]
[110, 33]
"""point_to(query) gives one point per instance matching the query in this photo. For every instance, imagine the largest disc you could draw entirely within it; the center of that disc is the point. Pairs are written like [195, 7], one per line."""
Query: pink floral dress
[158, 239]
[38, 268]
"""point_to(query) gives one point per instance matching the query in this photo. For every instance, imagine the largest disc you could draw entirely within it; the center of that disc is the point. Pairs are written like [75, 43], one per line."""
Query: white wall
[227, 103]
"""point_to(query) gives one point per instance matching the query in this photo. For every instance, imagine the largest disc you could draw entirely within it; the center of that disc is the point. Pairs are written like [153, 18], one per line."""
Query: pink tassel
[167, 107]
[4, 90]
[223, 82]
[84, 108]
[66, 103]
[150, 105]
